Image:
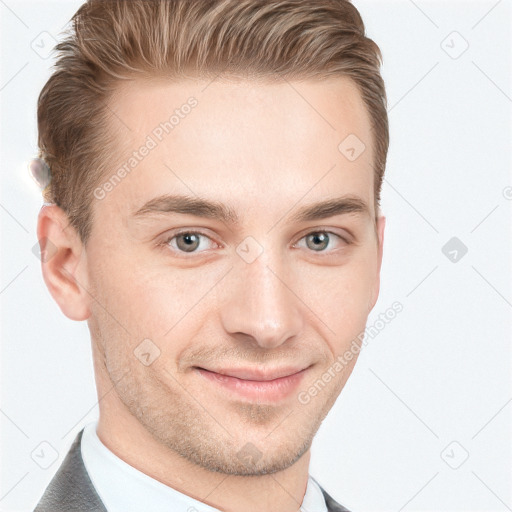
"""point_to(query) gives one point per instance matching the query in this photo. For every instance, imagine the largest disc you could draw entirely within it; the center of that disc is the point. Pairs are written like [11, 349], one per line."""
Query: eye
[194, 242]
[189, 242]
[318, 241]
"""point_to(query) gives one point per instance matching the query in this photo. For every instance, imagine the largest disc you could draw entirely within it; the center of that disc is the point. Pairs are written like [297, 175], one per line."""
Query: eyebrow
[330, 208]
[188, 205]
[199, 207]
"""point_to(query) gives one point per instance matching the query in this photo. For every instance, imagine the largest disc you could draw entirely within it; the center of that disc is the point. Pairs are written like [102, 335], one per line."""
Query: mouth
[255, 384]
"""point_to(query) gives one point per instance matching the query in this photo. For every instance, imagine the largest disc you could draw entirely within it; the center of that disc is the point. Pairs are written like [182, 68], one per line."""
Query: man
[213, 213]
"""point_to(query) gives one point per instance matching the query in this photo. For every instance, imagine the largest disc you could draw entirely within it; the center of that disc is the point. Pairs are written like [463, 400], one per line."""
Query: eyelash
[165, 243]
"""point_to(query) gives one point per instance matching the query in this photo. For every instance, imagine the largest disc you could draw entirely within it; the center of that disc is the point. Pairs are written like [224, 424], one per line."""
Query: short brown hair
[112, 40]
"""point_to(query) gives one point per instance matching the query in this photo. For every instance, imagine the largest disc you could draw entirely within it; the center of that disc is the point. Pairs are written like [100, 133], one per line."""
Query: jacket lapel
[333, 506]
[71, 488]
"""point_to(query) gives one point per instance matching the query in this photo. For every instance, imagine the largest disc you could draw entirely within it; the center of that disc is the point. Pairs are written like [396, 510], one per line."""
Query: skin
[263, 151]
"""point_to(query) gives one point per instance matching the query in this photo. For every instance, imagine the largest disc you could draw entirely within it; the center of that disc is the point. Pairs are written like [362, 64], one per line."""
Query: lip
[256, 384]
[256, 374]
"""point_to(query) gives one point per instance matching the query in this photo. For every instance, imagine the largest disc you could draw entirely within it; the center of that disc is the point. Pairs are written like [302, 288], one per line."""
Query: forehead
[240, 139]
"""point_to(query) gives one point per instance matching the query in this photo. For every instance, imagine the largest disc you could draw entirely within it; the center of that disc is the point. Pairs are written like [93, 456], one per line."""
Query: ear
[374, 294]
[63, 262]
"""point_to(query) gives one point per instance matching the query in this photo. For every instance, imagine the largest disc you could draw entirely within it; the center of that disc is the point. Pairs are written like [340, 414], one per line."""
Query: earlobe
[63, 263]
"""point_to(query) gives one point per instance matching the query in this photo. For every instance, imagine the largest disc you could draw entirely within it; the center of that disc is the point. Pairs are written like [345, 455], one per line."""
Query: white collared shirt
[122, 488]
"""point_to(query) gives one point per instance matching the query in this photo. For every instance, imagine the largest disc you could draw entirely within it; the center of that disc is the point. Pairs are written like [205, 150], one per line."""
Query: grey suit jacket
[71, 489]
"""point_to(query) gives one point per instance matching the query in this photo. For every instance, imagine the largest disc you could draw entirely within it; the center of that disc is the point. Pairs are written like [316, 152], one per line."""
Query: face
[233, 263]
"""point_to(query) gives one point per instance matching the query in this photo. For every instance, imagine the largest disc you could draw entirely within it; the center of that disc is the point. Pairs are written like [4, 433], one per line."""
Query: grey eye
[317, 241]
[187, 242]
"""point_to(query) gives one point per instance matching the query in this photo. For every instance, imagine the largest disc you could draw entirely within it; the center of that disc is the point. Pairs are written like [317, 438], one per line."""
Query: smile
[255, 386]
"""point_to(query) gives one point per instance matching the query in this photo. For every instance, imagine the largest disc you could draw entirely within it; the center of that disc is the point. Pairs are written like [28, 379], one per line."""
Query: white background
[439, 373]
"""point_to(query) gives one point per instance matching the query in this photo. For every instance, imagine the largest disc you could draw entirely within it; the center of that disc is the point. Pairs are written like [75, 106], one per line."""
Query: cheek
[124, 290]
[339, 298]
[158, 301]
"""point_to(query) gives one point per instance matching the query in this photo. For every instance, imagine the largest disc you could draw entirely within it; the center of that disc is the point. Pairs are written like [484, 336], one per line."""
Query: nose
[260, 307]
